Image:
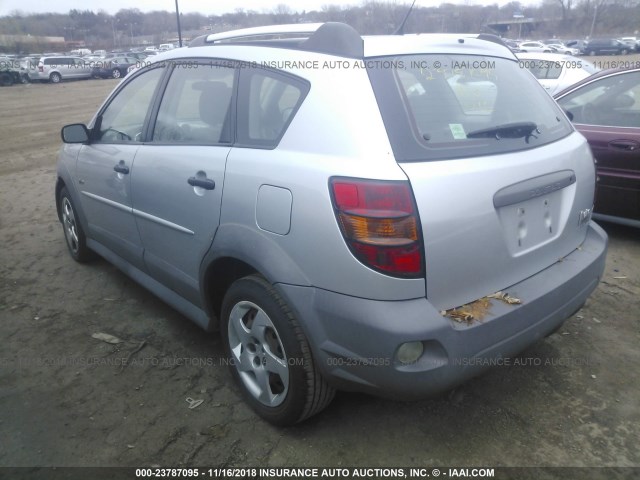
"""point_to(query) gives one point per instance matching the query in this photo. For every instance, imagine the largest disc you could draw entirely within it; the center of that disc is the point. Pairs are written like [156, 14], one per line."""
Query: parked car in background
[114, 67]
[28, 68]
[534, 47]
[57, 68]
[80, 52]
[579, 44]
[335, 223]
[606, 46]
[633, 42]
[93, 58]
[9, 71]
[554, 71]
[100, 53]
[138, 55]
[512, 44]
[605, 108]
[563, 49]
[166, 46]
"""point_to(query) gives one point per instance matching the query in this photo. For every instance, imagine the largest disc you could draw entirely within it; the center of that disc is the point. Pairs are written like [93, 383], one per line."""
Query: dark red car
[605, 108]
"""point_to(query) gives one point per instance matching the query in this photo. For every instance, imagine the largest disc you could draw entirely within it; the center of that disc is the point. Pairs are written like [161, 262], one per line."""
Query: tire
[6, 79]
[116, 73]
[624, 51]
[592, 53]
[73, 233]
[55, 78]
[270, 360]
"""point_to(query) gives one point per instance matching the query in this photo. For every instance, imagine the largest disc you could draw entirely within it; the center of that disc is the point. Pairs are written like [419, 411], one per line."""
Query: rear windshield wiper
[508, 130]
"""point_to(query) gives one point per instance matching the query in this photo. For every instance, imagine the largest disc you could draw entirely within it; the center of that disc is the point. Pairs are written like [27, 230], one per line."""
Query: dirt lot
[66, 399]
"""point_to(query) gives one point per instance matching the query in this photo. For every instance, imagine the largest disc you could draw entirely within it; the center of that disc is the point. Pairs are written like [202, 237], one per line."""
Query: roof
[343, 40]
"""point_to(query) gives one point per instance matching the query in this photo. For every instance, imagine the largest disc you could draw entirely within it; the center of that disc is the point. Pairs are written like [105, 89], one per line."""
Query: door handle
[628, 145]
[206, 183]
[121, 168]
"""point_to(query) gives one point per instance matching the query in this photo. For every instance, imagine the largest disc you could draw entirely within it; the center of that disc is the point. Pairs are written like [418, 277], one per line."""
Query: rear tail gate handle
[206, 183]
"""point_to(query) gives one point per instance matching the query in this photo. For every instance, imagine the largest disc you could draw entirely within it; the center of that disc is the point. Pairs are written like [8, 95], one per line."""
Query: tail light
[379, 222]
[40, 68]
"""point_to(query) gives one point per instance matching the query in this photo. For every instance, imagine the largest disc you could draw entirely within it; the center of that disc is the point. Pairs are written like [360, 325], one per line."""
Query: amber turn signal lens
[380, 231]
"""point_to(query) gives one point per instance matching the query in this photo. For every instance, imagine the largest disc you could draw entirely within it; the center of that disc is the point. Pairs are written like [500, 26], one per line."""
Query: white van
[166, 46]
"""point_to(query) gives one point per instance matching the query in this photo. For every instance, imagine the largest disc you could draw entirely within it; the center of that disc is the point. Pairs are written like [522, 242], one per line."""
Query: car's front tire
[116, 73]
[269, 355]
[73, 233]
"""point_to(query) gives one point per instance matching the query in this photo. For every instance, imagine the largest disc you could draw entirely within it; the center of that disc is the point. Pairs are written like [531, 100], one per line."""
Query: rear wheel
[624, 51]
[116, 73]
[55, 77]
[592, 53]
[269, 355]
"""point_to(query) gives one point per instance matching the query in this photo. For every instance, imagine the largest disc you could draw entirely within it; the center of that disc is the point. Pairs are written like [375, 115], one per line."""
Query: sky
[206, 7]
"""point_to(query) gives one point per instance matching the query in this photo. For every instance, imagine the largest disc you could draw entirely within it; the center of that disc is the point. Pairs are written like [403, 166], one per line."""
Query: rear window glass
[452, 106]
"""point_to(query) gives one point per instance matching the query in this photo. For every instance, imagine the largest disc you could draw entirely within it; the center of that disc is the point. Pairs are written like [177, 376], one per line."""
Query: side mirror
[568, 113]
[75, 133]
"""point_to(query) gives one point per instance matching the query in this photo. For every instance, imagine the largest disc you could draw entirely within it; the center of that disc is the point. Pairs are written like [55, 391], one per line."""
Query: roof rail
[331, 37]
[293, 29]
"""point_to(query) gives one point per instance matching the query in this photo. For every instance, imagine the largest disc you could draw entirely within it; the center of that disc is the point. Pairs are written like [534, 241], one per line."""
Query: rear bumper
[355, 340]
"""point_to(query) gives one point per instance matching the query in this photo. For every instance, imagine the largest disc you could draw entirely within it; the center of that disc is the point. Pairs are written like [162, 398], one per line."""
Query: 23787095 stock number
[168, 472]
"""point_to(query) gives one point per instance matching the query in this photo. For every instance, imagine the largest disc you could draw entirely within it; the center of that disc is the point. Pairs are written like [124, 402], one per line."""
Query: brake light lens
[379, 221]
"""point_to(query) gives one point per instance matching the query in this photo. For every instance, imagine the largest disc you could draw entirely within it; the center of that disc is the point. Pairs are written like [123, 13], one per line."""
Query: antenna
[400, 29]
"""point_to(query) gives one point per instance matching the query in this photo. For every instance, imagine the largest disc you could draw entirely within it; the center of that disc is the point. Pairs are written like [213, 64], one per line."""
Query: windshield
[442, 99]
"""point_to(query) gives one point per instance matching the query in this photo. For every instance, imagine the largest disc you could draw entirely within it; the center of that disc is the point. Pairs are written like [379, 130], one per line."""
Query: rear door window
[196, 106]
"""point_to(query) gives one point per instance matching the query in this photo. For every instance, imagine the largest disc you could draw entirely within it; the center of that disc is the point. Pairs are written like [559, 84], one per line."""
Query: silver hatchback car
[385, 214]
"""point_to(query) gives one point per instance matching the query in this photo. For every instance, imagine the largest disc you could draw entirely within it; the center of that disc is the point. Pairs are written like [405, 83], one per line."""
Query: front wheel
[116, 73]
[73, 233]
[269, 355]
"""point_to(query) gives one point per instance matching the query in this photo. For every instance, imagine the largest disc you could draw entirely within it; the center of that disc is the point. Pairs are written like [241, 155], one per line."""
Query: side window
[267, 104]
[123, 119]
[196, 106]
[613, 101]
